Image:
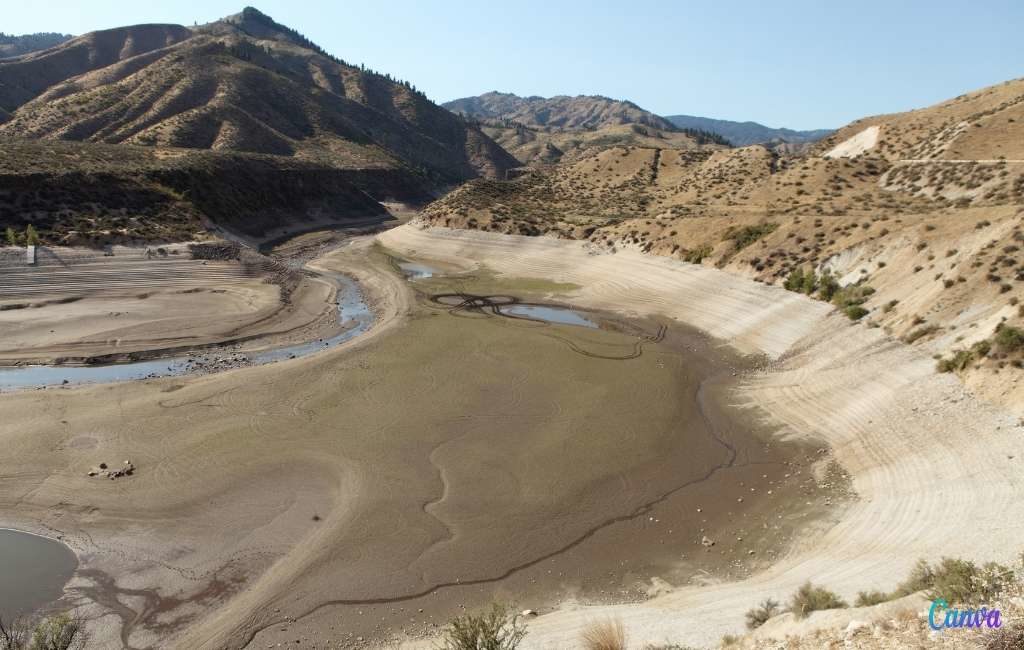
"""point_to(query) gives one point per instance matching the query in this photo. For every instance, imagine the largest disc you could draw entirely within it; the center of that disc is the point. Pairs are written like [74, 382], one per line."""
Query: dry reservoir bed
[376, 489]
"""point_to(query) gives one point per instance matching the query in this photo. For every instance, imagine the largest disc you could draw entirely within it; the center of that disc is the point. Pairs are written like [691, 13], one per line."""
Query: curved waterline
[35, 570]
[352, 309]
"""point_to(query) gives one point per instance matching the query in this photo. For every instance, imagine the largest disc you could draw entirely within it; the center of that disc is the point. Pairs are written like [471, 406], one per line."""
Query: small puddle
[33, 572]
[416, 270]
[562, 315]
[352, 310]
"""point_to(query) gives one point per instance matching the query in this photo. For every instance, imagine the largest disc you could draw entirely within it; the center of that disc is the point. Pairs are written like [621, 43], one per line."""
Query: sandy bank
[938, 472]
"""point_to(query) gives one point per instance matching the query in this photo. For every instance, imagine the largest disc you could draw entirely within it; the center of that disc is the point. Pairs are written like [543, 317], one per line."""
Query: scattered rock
[528, 612]
[102, 470]
[706, 542]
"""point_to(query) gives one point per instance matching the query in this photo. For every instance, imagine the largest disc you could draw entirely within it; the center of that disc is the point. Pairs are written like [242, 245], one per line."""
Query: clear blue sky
[794, 63]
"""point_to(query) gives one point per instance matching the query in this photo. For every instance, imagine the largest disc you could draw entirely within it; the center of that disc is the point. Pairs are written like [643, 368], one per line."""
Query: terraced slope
[921, 213]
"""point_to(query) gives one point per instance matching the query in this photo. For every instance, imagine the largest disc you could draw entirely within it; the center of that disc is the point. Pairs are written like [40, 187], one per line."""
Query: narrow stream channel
[352, 312]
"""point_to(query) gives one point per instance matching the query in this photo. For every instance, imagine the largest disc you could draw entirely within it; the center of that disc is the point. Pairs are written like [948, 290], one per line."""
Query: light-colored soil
[457, 459]
[938, 473]
[127, 304]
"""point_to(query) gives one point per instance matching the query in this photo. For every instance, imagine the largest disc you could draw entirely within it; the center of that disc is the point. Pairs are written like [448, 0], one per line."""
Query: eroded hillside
[918, 231]
[245, 83]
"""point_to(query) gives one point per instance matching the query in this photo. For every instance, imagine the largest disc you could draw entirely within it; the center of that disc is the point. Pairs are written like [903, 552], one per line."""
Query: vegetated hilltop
[535, 145]
[537, 130]
[242, 84]
[922, 226]
[11, 45]
[582, 111]
[98, 194]
[742, 134]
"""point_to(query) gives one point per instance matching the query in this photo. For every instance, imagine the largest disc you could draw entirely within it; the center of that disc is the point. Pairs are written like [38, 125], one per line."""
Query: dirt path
[938, 472]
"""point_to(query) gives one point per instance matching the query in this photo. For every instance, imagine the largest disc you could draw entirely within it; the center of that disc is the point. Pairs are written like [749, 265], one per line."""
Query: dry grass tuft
[604, 635]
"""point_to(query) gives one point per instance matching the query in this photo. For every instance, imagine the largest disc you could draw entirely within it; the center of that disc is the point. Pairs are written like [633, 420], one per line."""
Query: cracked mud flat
[437, 461]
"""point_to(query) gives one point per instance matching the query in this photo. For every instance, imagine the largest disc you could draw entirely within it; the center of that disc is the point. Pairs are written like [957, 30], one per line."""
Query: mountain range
[742, 134]
[244, 85]
[595, 112]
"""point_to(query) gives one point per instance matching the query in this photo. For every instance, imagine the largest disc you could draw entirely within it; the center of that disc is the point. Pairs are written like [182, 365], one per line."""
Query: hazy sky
[783, 63]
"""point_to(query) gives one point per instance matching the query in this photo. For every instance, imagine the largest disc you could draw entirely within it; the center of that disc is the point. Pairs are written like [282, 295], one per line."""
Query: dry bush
[759, 615]
[604, 635]
[61, 632]
[497, 629]
[809, 598]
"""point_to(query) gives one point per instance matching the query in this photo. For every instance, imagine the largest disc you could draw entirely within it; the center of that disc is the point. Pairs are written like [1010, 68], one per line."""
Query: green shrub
[959, 361]
[869, 598]
[747, 235]
[1009, 339]
[957, 581]
[963, 582]
[981, 348]
[809, 598]
[494, 630]
[61, 632]
[828, 286]
[31, 236]
[695, 255]
[855, 312]
[920, 332]
[759, 615]
[11, 236]
[795, 280]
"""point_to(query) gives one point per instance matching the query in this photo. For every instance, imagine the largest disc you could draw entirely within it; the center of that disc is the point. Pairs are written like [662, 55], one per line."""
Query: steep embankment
[76, 194]
[915, 210]
[910, 438]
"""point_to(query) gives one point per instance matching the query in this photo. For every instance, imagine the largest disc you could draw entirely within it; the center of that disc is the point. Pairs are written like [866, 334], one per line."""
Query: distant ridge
[562, 111]
[742, 134]
[11, 45]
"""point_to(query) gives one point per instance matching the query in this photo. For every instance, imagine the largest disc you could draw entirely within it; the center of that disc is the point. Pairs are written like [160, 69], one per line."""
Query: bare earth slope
[908, 436]
[916, 210]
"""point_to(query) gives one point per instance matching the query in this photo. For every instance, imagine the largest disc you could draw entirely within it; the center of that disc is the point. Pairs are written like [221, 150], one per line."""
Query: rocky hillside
[987, 124]
[742, 134]
[916, 226]
[540, 146]
[11, 45]
[88, 194]
[580, 112]
[245, 83]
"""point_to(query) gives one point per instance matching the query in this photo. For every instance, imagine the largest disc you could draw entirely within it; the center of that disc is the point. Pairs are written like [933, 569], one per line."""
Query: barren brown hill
[923, 236]
[986, 124]
[580, 112]
[245, 83]
[25, 77]
[535, 145]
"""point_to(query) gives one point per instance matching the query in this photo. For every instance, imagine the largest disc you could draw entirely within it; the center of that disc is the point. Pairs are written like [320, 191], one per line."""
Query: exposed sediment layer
[938, 472]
